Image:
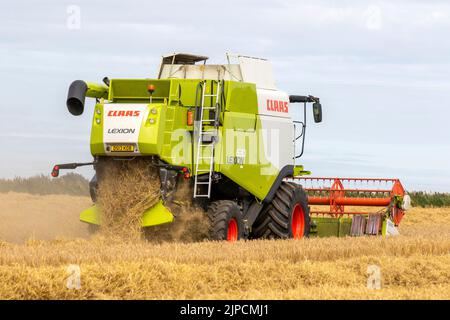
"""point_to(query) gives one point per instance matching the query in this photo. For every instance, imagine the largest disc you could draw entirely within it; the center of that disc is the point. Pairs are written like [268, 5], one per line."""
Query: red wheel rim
[298, 222]
[232, 233]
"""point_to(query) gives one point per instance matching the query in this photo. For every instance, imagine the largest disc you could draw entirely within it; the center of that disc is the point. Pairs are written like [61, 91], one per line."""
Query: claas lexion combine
[232, 134]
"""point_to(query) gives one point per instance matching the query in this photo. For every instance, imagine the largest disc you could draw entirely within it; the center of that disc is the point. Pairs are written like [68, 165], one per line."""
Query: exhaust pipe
[76, 97]
[79, 90]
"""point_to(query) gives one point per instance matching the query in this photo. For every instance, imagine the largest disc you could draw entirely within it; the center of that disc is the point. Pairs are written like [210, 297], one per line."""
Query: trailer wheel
[225, 221]
[287, 216]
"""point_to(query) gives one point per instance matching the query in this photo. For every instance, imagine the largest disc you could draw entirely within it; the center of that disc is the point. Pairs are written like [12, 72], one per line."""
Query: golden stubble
[414, 265]
[128, 188]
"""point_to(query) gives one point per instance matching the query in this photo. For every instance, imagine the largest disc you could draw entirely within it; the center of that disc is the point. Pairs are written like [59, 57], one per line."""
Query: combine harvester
[232, 134]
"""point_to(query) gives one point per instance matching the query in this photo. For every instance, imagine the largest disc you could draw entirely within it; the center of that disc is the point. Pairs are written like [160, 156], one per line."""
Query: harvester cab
[227, 129]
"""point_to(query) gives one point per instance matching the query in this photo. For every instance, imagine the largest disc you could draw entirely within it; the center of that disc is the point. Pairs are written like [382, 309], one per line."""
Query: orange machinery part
[342, 201]
[337, 197]
[190, 117]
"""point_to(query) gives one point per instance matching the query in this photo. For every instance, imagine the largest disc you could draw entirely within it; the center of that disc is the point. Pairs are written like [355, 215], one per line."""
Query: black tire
[276, 221]
[221, 215]
[93, 186]
[93, 228]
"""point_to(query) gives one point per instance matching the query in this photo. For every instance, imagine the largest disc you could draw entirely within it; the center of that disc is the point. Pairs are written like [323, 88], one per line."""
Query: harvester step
[202, 182]
[210, 95]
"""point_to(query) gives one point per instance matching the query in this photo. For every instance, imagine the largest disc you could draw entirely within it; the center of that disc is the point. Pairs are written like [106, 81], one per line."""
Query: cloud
[374, 18]
[380, 67]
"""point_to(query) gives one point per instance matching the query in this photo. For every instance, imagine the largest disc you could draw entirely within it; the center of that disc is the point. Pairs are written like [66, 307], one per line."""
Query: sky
[381, 69]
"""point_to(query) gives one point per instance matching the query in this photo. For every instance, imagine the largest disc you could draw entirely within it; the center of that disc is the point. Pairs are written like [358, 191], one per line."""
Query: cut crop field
[41, 236]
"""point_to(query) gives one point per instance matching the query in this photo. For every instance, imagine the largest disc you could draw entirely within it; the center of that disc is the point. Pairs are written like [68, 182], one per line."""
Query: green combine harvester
[231, 133]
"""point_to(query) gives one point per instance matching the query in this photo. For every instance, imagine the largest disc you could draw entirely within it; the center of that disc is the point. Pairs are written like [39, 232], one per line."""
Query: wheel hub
[232, 232]
[298, 222]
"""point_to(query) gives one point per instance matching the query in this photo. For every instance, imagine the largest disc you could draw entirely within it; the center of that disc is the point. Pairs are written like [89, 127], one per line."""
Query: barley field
[40, 236]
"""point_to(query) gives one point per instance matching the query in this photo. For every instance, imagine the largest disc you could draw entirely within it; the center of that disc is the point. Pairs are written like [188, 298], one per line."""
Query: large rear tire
[287, 216]
[226, 222]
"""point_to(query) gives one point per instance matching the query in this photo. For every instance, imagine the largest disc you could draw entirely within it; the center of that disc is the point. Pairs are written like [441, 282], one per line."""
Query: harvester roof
[243, 69]
[182, 58]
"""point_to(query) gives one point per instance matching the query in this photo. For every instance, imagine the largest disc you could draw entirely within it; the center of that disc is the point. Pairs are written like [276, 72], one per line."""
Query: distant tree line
[430, 199]
[70, 184]
[76, 184]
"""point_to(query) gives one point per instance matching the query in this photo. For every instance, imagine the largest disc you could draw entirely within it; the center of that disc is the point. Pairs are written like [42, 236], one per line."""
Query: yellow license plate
[122, 148]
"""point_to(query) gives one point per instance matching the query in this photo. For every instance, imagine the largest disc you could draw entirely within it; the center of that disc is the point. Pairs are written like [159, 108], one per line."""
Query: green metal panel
[324, 227]
[256, 174]
[299, 171]
[95, 90]
[241, 97]
[135, 90]
[156, 215]
[242, 131]
[186, 90]
[151, 134]
[182, 91]
[91, 215]
[240, 121]
[177, 136]
[345, 225]
[384, 228]
[97, 146]
[330, 227]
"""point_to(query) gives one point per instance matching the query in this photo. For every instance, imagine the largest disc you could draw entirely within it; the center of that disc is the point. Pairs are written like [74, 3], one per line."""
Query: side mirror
[317, 112]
